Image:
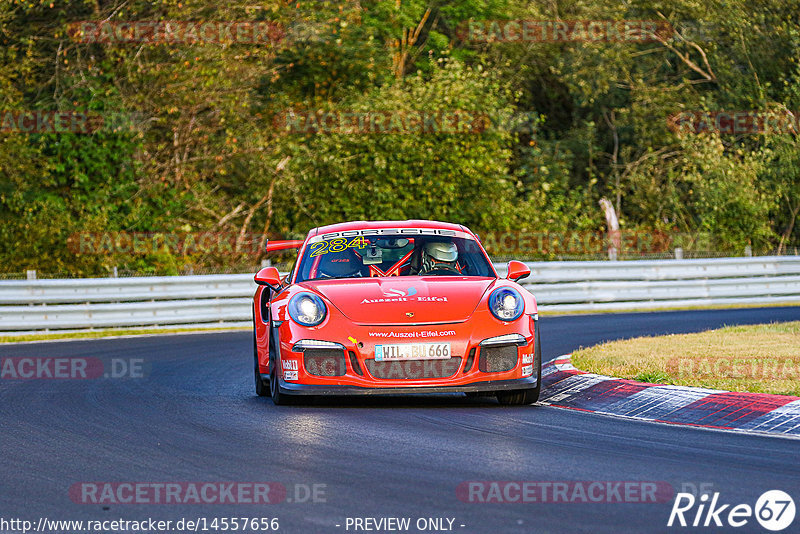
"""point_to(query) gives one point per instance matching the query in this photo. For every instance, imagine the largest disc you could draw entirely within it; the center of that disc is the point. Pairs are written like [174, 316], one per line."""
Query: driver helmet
[439, 255]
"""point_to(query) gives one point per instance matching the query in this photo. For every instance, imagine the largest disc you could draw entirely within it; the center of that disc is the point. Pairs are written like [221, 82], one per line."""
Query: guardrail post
[31, 274]
[679, 253]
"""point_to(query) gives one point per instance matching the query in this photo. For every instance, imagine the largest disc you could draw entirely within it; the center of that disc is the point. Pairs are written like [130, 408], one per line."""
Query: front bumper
[357, 374]
[291, 388]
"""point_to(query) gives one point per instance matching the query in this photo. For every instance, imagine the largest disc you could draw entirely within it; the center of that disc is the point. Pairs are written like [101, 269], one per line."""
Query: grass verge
[554, 313]
[761, 358]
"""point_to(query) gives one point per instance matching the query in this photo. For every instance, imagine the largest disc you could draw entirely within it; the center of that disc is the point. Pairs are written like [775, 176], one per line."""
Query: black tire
[262, 385]
[518, 397]
[280, 399]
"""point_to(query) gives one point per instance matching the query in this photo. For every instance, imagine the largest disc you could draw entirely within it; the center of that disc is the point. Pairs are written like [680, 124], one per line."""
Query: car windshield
[358, 254]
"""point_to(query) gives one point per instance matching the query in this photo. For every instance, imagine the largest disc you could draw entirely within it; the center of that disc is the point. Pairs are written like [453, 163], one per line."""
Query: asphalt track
[194, 417]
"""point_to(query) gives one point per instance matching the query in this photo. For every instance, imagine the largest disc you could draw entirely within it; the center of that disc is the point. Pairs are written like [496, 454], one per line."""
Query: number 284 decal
[337, 245]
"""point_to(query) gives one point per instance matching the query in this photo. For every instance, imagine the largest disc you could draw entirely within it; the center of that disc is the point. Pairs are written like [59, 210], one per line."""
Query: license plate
[412, 351]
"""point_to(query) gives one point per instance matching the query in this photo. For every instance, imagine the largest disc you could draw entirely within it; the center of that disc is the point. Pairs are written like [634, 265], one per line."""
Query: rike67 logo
[774, 510]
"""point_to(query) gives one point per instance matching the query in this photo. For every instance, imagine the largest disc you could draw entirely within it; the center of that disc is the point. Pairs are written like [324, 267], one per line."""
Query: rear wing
[273, 246]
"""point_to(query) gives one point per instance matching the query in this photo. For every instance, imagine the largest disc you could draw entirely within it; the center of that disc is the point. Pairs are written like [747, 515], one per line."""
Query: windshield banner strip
[392, 231]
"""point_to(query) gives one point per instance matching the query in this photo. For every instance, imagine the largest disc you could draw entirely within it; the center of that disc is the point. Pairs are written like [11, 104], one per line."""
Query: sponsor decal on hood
[394, 300]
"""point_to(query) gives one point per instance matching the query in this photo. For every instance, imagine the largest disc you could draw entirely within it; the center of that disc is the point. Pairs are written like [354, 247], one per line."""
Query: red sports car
[395, 307]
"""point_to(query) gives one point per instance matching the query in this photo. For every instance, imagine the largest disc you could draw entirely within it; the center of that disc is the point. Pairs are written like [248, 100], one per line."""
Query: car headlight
[506, 304]
[307, 309]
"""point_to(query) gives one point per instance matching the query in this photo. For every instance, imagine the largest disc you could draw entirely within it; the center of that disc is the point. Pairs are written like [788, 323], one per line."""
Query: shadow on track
[433, 401]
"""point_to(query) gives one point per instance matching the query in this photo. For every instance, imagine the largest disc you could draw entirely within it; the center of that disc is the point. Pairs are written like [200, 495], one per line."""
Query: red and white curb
[565, 386]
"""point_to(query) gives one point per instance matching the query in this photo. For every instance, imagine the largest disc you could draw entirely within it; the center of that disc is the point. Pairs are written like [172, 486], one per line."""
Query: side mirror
[517, 271]
[268, 276]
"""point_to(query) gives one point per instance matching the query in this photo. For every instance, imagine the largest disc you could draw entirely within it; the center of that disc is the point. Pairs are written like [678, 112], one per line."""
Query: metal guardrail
[29, 305]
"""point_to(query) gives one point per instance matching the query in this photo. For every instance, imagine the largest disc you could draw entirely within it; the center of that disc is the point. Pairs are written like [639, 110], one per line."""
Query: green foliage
[449, 176]
[725, 194]
[204, 154]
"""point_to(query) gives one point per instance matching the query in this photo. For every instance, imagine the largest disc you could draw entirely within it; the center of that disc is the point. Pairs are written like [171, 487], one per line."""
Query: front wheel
[519, 397]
